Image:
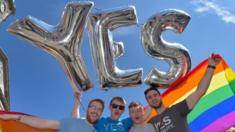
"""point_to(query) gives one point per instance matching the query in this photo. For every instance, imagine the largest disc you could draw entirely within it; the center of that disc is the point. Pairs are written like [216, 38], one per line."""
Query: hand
[214, 59]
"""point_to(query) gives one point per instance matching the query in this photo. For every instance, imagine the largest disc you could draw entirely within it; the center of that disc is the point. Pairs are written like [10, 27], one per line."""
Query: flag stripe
[221, 124]
[213, 114]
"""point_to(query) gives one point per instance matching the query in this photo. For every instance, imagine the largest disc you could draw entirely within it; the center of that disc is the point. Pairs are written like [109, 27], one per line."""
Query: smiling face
[154, 99]
[94, 111]
[116, 107]
[136, 112]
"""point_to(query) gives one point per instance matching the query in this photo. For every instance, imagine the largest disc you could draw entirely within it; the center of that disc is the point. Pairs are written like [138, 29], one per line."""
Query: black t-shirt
[173, 119]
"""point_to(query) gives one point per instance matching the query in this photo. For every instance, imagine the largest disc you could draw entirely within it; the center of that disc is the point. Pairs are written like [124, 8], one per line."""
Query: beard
[158, 106]
[89, 119]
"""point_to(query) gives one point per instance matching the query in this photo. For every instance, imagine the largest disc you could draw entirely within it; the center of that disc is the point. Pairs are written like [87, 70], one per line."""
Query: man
[173, 119]
[136, 112]
[94, 111]
[112, 123]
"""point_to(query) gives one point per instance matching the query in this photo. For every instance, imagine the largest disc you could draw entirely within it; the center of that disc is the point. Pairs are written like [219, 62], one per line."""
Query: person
[173, 119]
[94, 111]
[112, 123]
[136, 112]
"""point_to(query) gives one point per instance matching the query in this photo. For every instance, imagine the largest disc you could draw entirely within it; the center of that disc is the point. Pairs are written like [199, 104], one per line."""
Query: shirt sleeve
[183, 108]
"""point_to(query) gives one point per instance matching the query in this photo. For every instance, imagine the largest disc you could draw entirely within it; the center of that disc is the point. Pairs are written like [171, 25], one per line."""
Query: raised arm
[76, 106]
[32, 121]
[203, 85]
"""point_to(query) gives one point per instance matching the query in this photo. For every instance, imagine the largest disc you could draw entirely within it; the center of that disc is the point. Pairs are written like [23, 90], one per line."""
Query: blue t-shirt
[75, 125]
[109, 125]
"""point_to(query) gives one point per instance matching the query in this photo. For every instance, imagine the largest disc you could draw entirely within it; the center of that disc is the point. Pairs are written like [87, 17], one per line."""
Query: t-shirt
[143, 128]
[75, 125]
[109, 125]
[173, 119]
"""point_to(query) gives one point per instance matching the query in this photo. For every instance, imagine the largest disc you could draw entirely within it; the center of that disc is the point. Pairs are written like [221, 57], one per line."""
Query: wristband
[211, 66]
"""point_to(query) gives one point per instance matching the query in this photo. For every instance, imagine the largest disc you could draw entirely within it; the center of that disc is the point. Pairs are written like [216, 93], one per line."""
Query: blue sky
[39, 86]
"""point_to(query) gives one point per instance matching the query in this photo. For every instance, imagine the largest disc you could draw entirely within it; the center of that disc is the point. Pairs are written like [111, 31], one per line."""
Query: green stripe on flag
[232, 85]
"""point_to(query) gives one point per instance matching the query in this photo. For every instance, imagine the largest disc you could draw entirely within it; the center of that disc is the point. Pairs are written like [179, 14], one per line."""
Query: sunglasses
[120, 107]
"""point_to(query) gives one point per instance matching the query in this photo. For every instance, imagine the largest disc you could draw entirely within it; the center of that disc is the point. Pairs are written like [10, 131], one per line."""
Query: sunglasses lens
[114, 106]
[120, 107]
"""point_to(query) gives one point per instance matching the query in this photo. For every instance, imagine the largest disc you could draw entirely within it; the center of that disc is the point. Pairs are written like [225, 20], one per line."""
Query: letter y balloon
[63, 41]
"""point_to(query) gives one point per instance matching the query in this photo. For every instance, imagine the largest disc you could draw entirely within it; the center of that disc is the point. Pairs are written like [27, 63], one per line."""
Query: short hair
[134, 104]
[97, 100]
[150, 89]
[117, 98]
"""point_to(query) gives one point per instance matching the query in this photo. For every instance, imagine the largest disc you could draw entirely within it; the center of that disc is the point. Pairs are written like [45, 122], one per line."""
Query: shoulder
[127, 122]
[181, 107]
[101, 121]
[73, 120]
[149, 127]
[182, 104]
[128, 119]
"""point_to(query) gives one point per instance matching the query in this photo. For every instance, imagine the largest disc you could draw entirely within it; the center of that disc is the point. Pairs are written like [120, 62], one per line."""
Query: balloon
[7, 8]
[175, 54]
[105, 50]
[4, 83]
[63, 41]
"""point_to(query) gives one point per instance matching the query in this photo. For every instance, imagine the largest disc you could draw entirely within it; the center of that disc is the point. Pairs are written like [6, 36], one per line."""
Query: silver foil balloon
[105, 50]
[7, 8]
[175, 54]
[62, 41]
[4, 83]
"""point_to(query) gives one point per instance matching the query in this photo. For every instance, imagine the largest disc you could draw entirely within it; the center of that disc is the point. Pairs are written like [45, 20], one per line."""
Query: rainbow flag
[216, 109]
[14, 126]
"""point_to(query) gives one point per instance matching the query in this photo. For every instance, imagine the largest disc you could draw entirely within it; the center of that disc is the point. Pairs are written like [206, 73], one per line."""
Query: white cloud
[202, 9]
[207, 5]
